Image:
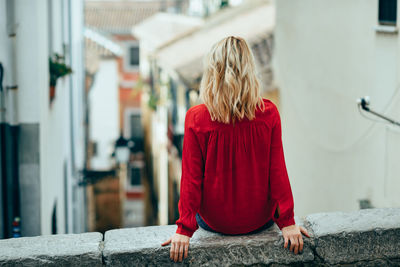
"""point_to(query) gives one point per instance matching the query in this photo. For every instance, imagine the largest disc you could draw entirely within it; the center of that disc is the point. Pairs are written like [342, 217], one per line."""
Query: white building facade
[104, 112]
[50, 147]
[328, 54]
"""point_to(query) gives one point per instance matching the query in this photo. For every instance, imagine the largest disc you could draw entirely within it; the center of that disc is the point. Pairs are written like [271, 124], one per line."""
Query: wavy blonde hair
[229, 86]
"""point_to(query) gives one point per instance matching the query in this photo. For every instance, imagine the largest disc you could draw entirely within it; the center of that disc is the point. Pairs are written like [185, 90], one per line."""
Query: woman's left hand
[179, 246]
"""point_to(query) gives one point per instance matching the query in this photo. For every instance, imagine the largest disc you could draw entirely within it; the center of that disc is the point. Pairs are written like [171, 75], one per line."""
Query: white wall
[66, 117]
[104, 113]
[54, 134]
[32, 51]
[4, 57]
[28, 16]
[31, 16]
[327, 55]
[78, 82]
[76, 112]
[32, 64]
[35, 41]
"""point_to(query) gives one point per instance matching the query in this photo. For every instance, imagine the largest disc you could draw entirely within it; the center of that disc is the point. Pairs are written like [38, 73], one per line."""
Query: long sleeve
[279, 181]
[191, 179]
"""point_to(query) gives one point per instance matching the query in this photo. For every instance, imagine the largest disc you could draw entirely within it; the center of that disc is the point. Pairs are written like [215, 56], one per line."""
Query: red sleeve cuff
[283, 223]
[184, 231]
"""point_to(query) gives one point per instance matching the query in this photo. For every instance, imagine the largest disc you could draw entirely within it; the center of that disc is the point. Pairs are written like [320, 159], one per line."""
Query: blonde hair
[229, 86]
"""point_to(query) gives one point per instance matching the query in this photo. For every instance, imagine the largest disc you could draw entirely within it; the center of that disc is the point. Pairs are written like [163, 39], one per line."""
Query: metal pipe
[364, 103]
[3, 208]
[12, 88]
[383, 117]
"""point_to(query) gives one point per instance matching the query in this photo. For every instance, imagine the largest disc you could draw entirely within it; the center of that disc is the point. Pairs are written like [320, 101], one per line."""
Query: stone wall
[369, 237]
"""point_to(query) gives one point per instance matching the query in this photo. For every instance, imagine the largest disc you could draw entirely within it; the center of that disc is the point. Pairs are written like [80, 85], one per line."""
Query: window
[54, 219]
[224, 3]
[94, 148]
[135, 125]
[136, 176]
[136, 172]
[134, 55]
[131, 56]
[387, 12]
[136, 133]
[66, 207]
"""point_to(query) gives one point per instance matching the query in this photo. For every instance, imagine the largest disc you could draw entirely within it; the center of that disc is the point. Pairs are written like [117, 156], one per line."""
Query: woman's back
[234, 178]
[231, 164]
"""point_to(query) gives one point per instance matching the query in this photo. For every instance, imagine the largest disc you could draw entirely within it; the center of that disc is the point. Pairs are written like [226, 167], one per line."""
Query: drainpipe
[3, 208]
[75, 187]
[11, 185]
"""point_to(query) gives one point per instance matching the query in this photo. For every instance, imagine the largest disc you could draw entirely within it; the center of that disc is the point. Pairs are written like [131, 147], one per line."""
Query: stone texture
[142, 247]
[366, 235]
[53, 250]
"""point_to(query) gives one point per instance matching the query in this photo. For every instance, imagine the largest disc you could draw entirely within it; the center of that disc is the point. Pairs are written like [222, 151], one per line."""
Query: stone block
[53, 250]
[367, 235]
[141, 246]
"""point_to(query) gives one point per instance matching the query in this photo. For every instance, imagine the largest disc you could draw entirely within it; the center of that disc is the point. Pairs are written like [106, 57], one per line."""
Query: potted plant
[58, 69]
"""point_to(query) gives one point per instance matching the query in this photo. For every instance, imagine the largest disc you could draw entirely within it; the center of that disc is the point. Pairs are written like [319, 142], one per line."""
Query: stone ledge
[53, 250]
[368, 237]
[142, 246]
[365, 235]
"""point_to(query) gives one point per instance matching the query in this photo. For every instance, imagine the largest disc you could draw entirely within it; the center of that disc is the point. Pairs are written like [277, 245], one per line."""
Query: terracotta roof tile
[118, 17]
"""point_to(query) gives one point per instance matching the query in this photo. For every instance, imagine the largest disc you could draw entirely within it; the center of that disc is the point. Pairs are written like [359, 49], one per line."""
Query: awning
[98, 46]
[164, 28]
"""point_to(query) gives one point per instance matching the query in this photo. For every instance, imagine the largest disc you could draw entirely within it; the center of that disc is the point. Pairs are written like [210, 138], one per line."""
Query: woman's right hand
[293, 233]
[179, 246]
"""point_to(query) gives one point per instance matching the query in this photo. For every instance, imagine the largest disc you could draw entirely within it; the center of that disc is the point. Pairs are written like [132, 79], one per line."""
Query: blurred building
[42, 140]
[102, 55]
[155, 33]
[112, 59]
[172, 67]
[328, 54]
[105, 207]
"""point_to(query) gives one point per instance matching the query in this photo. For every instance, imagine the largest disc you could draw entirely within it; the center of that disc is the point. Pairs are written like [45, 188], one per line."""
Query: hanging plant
[153, 100]
[58, 69]
[138, 87]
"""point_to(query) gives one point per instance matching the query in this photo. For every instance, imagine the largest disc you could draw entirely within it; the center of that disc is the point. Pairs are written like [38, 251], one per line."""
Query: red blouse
[234, 176]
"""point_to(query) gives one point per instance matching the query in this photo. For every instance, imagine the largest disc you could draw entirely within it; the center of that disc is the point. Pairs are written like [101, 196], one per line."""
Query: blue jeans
[203, 225]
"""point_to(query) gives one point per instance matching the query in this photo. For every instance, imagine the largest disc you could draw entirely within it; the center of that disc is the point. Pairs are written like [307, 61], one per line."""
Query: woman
[234, 178]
